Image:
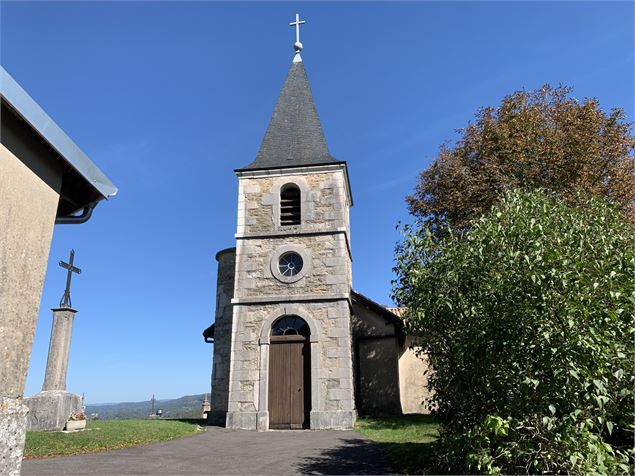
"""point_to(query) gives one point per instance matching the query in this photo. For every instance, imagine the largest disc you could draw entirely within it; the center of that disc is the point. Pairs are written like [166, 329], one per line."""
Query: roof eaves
[42, 123]
[292, 166]
[374, 305]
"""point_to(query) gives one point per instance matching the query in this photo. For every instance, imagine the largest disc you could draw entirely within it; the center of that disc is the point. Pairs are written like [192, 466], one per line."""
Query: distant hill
[189, 406]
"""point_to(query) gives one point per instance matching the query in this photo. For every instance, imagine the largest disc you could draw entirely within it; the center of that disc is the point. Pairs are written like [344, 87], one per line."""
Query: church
[295, 346]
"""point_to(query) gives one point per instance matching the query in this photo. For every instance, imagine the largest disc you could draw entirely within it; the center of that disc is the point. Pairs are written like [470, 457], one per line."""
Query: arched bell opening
[289, 374]
[290, 205]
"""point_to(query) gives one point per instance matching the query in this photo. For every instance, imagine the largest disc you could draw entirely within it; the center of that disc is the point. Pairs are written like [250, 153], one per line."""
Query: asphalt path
[223, 451]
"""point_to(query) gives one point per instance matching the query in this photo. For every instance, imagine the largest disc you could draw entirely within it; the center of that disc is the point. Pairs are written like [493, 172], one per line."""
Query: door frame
[262, 423]
[306, 386]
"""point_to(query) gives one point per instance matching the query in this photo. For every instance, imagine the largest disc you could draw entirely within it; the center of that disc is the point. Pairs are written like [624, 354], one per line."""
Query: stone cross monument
[50, 409]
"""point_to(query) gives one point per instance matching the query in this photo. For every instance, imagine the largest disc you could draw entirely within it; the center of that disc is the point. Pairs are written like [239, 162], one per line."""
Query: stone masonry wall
[222, 335]
[332, 370]
[320, 295]
[326, 255]
[324, 202]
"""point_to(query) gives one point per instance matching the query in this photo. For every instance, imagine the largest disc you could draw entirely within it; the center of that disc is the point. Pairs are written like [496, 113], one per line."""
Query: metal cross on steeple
[297, 45]
[66, 299]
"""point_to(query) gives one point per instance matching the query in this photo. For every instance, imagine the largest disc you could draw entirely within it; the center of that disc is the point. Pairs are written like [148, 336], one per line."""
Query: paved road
[222, 451]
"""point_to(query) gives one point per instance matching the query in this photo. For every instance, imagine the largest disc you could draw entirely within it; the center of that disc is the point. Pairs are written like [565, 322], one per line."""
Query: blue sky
[169, 98]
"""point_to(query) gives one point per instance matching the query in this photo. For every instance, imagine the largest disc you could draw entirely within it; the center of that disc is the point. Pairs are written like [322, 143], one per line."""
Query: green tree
[534, 139]
[528, 321]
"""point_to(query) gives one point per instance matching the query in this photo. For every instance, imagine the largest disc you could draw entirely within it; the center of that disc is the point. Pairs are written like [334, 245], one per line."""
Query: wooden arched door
[289, 374]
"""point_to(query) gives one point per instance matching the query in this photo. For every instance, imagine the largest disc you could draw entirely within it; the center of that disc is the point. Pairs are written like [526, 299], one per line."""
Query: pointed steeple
[294, 136]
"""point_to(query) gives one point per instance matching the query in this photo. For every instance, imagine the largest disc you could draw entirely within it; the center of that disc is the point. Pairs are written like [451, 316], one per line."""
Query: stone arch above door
[288, 309]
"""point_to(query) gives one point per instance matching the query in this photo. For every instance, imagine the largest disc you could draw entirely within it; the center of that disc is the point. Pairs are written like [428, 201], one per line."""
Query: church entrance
[289, 374]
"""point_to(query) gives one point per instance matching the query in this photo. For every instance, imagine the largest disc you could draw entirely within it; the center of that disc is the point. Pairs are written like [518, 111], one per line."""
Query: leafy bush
[528, 318]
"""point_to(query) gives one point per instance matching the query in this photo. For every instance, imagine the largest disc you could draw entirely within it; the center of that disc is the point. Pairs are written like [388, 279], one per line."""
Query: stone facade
[332, 400]
[353, 347]
[319, 295]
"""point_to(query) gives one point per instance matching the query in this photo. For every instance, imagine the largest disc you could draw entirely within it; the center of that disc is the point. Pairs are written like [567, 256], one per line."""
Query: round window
[290, 264]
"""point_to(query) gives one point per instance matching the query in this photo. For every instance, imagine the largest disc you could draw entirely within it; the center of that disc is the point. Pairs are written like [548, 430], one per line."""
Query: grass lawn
[104, 435]
[407, 439]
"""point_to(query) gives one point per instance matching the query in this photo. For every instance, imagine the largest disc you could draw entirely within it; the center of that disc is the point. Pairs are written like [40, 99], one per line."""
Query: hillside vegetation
[189, 406]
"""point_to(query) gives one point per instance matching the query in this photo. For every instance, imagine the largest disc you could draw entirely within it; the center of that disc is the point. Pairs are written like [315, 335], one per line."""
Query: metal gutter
[42, 123]
[83, 217]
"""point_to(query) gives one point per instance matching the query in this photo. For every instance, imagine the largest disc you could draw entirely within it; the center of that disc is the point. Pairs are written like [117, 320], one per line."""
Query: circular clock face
[290, 264]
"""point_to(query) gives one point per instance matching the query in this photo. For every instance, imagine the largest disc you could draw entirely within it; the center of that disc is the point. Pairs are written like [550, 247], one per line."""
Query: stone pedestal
[49, 410]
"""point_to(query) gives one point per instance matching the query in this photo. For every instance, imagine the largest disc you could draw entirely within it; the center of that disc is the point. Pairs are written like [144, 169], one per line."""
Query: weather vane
[66, 299]
[297, 45]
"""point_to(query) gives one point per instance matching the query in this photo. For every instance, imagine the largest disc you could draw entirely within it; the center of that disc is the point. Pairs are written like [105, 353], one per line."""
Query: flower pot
[74, 425]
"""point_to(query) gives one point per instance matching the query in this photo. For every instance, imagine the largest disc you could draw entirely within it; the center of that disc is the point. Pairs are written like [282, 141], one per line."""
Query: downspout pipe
[77, 219]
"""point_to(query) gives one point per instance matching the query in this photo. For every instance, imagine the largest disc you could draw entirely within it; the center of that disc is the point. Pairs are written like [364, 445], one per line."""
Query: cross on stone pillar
[59, 347]
[66, 298]
[50, 409]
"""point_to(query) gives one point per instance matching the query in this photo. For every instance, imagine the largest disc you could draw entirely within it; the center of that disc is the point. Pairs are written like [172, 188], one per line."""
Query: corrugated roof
[294, 136]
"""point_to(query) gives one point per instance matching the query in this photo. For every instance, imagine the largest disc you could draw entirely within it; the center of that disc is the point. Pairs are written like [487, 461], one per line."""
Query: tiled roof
[294, 136]
[398, 311]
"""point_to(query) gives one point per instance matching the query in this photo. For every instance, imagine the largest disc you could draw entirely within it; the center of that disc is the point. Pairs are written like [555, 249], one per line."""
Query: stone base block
[242, 420]
[49, 410]
[12, 433]
[336, 420]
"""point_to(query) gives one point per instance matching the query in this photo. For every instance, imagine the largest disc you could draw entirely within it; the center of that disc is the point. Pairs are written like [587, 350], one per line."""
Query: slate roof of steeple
[294, 136]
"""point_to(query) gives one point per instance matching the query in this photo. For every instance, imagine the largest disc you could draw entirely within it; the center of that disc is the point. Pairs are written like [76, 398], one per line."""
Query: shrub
[528, 319]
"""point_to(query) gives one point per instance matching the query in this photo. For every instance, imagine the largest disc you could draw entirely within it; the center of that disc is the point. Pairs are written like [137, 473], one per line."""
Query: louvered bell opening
[290, 213]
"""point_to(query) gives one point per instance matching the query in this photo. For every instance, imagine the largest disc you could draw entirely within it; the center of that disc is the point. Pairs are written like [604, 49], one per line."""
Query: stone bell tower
[283, 353]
